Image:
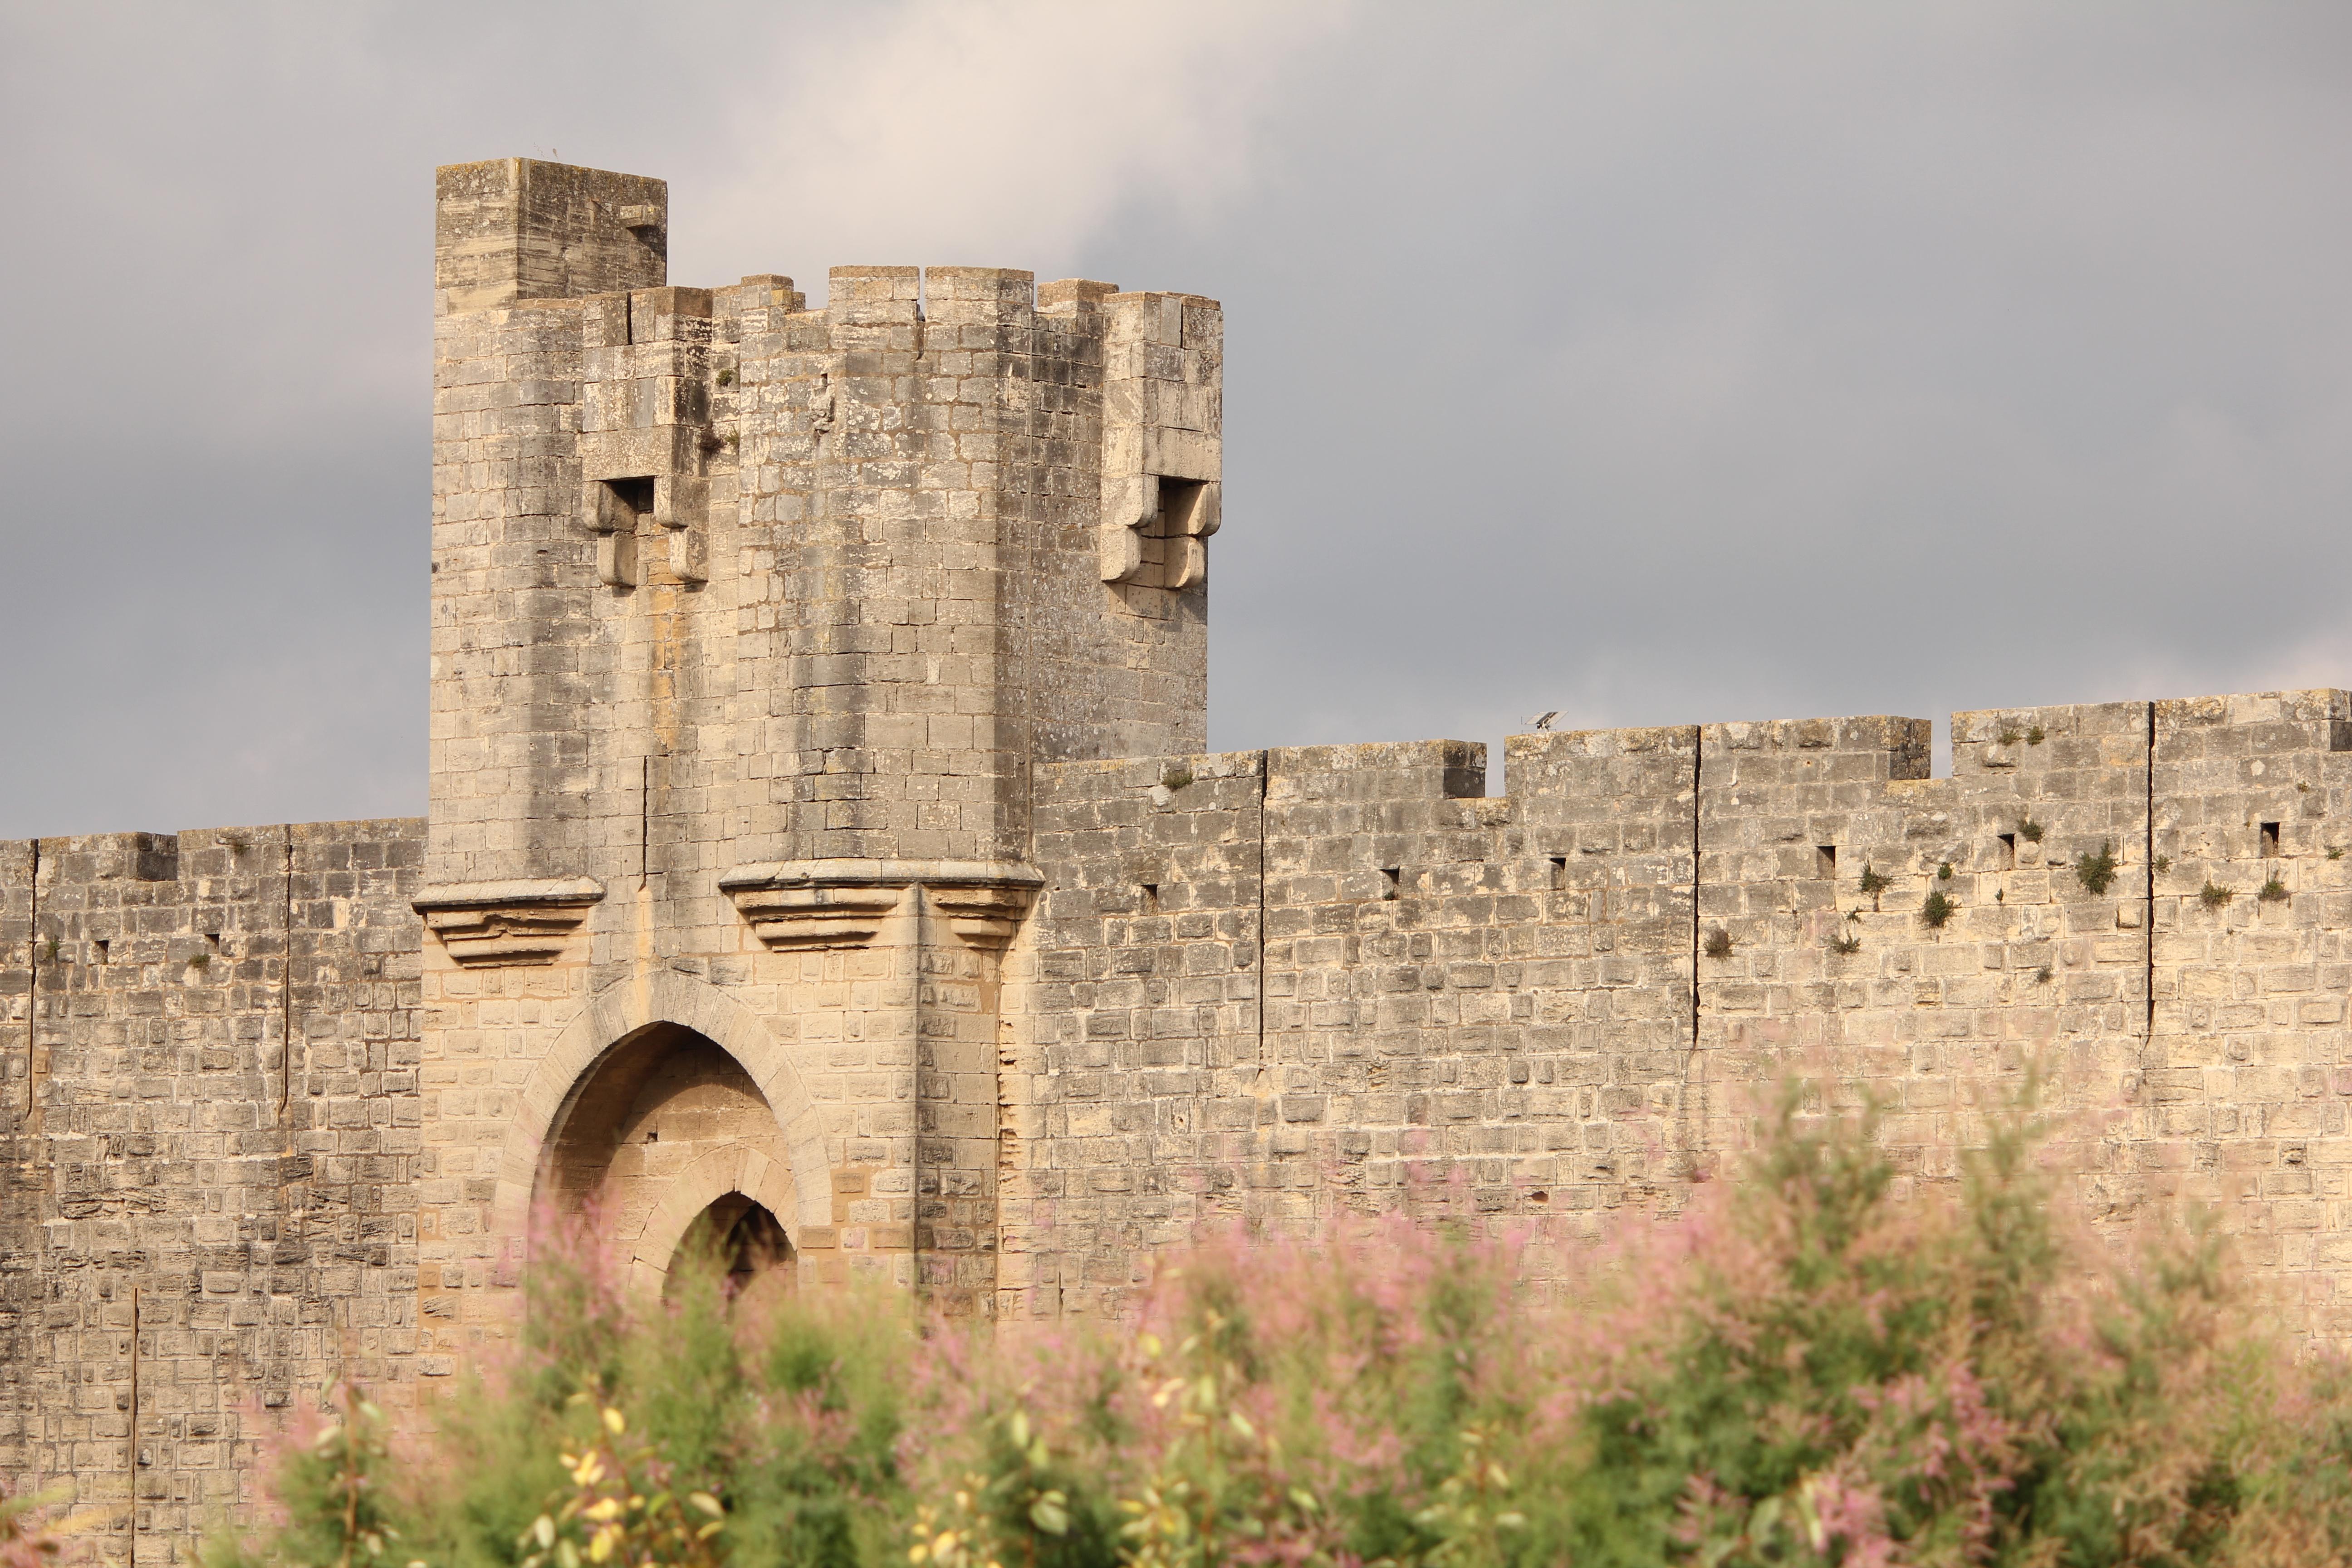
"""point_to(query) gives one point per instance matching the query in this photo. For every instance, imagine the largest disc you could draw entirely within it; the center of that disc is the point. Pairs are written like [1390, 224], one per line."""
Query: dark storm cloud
[1653, 362]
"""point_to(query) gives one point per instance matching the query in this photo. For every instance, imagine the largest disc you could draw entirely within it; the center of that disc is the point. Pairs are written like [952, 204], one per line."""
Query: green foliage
[2035, 737]
[1872, 883]
[2213, 896]
[334, 1486]
[2010, 737]
[2273, 892]
[2098, 872]
[1177, 777]
[2029, 829]
[1718, 943]
[49, 951]
[1938, 910]
[200, 962]
[1820, 1362]
[2163, 864]
[1944, 872]
[1847, 944]
[2041, 976]
[2335, 852]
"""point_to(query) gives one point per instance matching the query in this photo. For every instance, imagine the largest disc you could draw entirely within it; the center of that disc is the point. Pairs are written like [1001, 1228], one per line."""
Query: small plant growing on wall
[2335, 852]
[1944, 872]
[1872, 882]
[1847, 944]
[1718, 943]
[49, 952]
[2273, 892]
[2213, 896]
[2098, 872]
[2163, 864]
[200, 962]
[2035, 737]
[1176, 778]
[2029, 829]
[1938, 910]
[2010, 737]
[2041, 976]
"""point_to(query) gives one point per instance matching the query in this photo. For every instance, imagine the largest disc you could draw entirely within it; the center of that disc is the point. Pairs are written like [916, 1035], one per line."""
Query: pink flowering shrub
[1813, 1363]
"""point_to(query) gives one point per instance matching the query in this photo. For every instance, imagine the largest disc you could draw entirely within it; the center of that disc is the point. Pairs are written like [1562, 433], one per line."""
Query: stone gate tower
[750, 622]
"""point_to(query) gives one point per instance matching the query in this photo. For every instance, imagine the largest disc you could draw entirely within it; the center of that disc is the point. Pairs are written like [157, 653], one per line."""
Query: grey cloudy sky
[1652, 362]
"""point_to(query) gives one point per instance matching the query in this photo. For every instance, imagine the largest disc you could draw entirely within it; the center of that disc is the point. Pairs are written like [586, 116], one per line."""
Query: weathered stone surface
[822, 853]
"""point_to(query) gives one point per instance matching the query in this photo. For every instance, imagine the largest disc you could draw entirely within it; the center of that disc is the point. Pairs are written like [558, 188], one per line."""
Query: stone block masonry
[823, 864]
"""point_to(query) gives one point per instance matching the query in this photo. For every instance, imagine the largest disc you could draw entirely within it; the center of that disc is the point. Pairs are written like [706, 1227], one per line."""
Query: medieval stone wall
[1570, 998]
[200, 1224]
[822, 859]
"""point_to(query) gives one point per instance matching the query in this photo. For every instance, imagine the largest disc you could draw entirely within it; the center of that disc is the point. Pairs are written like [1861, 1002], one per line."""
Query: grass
[2098, 872]
[1176, 778]
[1718, 943]
[2035, 737]
[1938, 910]
[1872, 883]
[2213, 896]
[1846, 944]
[2272, 892]
[2029, 829]
[1944, 872]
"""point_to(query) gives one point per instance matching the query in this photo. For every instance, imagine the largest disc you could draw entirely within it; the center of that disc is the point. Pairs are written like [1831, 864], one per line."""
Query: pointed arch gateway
[672, 1105]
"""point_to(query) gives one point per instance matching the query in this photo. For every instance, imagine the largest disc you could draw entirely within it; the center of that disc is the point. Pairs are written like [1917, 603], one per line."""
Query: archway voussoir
[610, 1016]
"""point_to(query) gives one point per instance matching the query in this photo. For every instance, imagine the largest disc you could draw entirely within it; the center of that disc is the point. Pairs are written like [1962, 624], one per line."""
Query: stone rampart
[822, 863]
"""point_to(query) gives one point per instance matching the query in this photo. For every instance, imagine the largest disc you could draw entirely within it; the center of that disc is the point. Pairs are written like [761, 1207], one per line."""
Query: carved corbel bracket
[985, 909]
[483, 924]
[798, 905]
[787, 915]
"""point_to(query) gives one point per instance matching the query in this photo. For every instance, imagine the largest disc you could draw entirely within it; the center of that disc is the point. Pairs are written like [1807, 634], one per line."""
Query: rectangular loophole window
[2008, 851]
[1150, 898]
[1390, 876]
[102, 945]
[212, 939]
[2270, 838]
[1558, 872]
[1825, 861]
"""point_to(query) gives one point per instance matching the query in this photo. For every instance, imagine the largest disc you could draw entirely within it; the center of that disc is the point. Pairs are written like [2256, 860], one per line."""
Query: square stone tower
[751, 622]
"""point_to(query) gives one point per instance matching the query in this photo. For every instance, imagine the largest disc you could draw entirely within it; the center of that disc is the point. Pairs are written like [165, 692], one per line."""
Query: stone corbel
[790, 914]
[484, 924]
[799, 905]
[983, 906]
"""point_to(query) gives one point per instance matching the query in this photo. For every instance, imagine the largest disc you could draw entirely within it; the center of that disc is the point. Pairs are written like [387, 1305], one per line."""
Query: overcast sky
[1654, 362]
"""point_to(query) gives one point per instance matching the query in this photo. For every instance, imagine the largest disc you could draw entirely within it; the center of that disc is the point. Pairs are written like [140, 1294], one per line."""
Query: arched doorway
[665, 1126]
[743, 1239]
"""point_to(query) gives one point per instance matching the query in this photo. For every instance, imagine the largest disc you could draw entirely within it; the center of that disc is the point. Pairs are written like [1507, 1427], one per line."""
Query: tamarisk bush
[1818, 1361]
